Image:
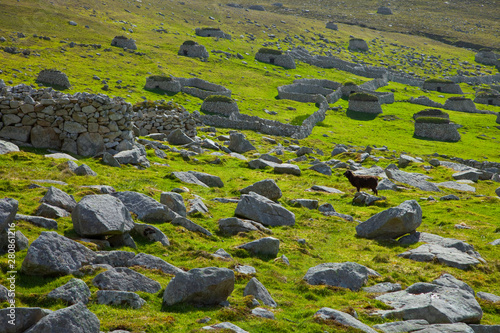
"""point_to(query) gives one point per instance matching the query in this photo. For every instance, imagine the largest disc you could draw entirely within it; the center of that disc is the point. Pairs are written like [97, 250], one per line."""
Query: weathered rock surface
[234, 225]
[150, 232]
[263, 313]
[198, 178]
[345, 275]
[267, 246]
[190, 225]
[114, 297]
[259, 208]
[366, 199]
[343, 319]
[307, 203]
[7, 147]
[239, 144]
[74, 291]
[457, 186]
[205, 286]
[177, 137]
[25, 318]
[325, 189]
[174, 201]
[488, 297]
[286, 168]
[256, 288]
[445, 255]
[38, 221]
[414, 179]
[151, 262]
[125, 279]
[384, 287]
[59, 198]
[51, 212]
[146, 208]
[322, 168]
[226, 326]
[267, 188]
[8, 210]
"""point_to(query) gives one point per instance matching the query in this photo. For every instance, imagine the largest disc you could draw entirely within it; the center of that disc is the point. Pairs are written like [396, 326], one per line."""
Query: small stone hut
[166, 83]
[364, 102]
[124, 42]
[349, 88]
[460, 104]
[442, 85]
[53, 77]
[211, 32]
[332, 25]
[435, 124]
[220, 105]
[489, 98]
[358, 44]
[487, 58]
[384, 10]
[192, 49]
[275, 57]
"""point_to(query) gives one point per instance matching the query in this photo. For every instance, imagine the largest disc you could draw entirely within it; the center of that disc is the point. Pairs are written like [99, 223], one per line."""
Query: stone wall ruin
[211, 32]
[192, 86]
[283, 60]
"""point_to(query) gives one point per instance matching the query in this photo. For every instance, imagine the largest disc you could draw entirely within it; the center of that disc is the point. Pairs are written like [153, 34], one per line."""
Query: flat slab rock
[384, 287]
[325, 189]
[259, 208]
[225, 326]
[74, 291]
[422, 326]
[348, 275]
[146, 208]
[456, 186]
[445, 255]
[414, 179]
[343, 318]
[125, 279]
[267, 246]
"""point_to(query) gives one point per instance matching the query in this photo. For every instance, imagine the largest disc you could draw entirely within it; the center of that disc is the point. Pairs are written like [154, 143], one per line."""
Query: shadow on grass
[363, 116]
[187, 308]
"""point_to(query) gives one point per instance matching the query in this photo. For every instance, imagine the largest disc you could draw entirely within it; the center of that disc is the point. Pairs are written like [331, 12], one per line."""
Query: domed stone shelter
[220, 105]
[54, 78]
[435, 124]
[442, 85]
[163, 82]
[211, 32]
[364, 102]
[358, 44]
[124, 42]
[349, 88]
[331, 25]
[488, 97]
[192, 49]
[275, 57]
[460, 103]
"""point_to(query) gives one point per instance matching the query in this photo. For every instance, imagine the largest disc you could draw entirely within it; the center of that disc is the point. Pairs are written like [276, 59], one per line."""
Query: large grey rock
[256, 288]
[322, 168]
[325, 189]
[196, 205]
[403, 326]
[488, 297]
[146, 208]
[178, 137]
[344, 319]
[59, 198]
[187, 177]
[150, 232]
[267, 188]
[208, 179]
[122, 240]
[151, 262]
[174, 201]
[110, 160]
[245, 269]
[259, 208]
[74, 291]
[90, 144]
[349, 275]
[24, 319]
[366, 199]
[234, 225]
[261, 164]
[7, 147]
[467, 175]
[445, 255]
[8, 210]
[53, 254]
[125, 279]
[190, 225]
[457, 186]
[21, 242]
[384, 287]
[386, 184]
[393, 222]
[76, 318]
[239, 144]
[115, 297]
[114, 258]
[414, 179]
[286, 168]
[485, 328]
[449, 281]
[226, 326]
[433, 303]
[99, 215]
[38, 221]
[338, 150]
[51, 212]
[307, 203]
[133, 156]
[204, 286]
[85, 170]
[267, 246]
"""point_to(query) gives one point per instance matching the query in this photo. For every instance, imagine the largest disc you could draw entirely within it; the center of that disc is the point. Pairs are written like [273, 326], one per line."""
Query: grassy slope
[254, 86]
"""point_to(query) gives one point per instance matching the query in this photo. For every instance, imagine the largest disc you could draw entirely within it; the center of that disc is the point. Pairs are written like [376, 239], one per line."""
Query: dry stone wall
[223, 108]
[441, 132]
[83, 124]
[192, 86]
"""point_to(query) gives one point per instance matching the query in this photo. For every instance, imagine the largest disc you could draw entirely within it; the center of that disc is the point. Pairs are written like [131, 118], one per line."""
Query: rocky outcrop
[348, 275]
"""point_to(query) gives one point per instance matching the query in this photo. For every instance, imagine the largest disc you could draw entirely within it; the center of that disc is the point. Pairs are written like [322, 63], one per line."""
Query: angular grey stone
[326, 208]
[146, 208]
[221, 253]
[384, 287]
[363, 198]
[267, 246]
[261, 164]
[99, 215]
[285, 168]
[114, 297]
[190, 225]
[497, 191]
[257, 289]
[325, 189]
[304, 150]
[405, 160]
[244, 269]
[8, 210]
[447, 328]
[307, 203]
[433, 303]
[122, 240]
[16, 133]
[51, 212]
[338, 150]
[196, 205]
[76, 318]
[53, 254]
[74, 291]
[59, 198]
[24, 319]
[457, 186]
[204, 286]
[414, 179]
[343, 319]
[234, 225]
[103, 189]
[468, 175]
[488, 297]
[259, 208]
[349, 275]
[403, 326]
[322, 168]
[114, 258]
[110, 160]
[445, 255]
[7, 147]
[187, 177]
[150, 232]
[125, 279]
[174, 201]
[177, 137]
[208, 179]
[485, 328]
[4, 293]
[449, 197]
[270, 158]
[449, 281]
[267, 188]
[20, 241]
[151, 262]
[393, 222]
[85, 170]
[133, 156]
[263, 313]
[225, 326]
[239, 144]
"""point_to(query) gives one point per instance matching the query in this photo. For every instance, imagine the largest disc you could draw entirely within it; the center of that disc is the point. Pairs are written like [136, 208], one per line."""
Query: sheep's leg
[375, 190]
[358, 188]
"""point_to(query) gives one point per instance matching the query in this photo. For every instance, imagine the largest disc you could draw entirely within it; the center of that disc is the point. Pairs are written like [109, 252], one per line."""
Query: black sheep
[362, 181]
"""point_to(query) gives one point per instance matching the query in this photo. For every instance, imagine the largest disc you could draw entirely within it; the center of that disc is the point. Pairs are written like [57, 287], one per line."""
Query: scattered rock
[151, 262]
[59, 198]
[114, 297]
[233, 226]
[349, 275]
[343, 319]
[384, 287]
[267, 246]
[239, 144]
[259, 208]
[174, 201]
[125, 279]
[190, 225]
[74, 291]
[267, 188]
[257, 289]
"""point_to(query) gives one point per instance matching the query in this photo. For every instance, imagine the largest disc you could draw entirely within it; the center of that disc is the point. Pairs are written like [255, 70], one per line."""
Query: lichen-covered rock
[116, 297]
[74, 291]
[267, 246]
[24, 319]
[59, 198]
[8, 210]
[146, 208]
[124, 42]
[357, 44]
[256, 288]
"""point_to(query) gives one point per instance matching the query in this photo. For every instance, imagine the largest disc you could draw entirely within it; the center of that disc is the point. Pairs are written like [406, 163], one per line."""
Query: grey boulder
[59, 198]
[393, 222]
[255, 288]
[343, 319]
[4, 293]
[198, 178]
[348, 275]
[8, 210]
[174, 201]
[146, 208]
[259, 208]
[226, 326]
[267, 188]
[125, 279]
[196, 206]
[366, 199]
[286, 168]
[7, 147]
[307, 203]
[85, 170]
[51, 212]
[384, 287]
[204, 286]
[267, 246]
[38, 221]
[151, 262]
[488, 297]
[177, 137]
[99, 215]
[115, 297]
[190, 225]
[469, 174]
[74, 291]
[322, 168]
[263, 313]
[445, 255]
[386, 184]
[239, 144]
[151, 233]
[24, 319]
[414, 179]
[234, 225]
